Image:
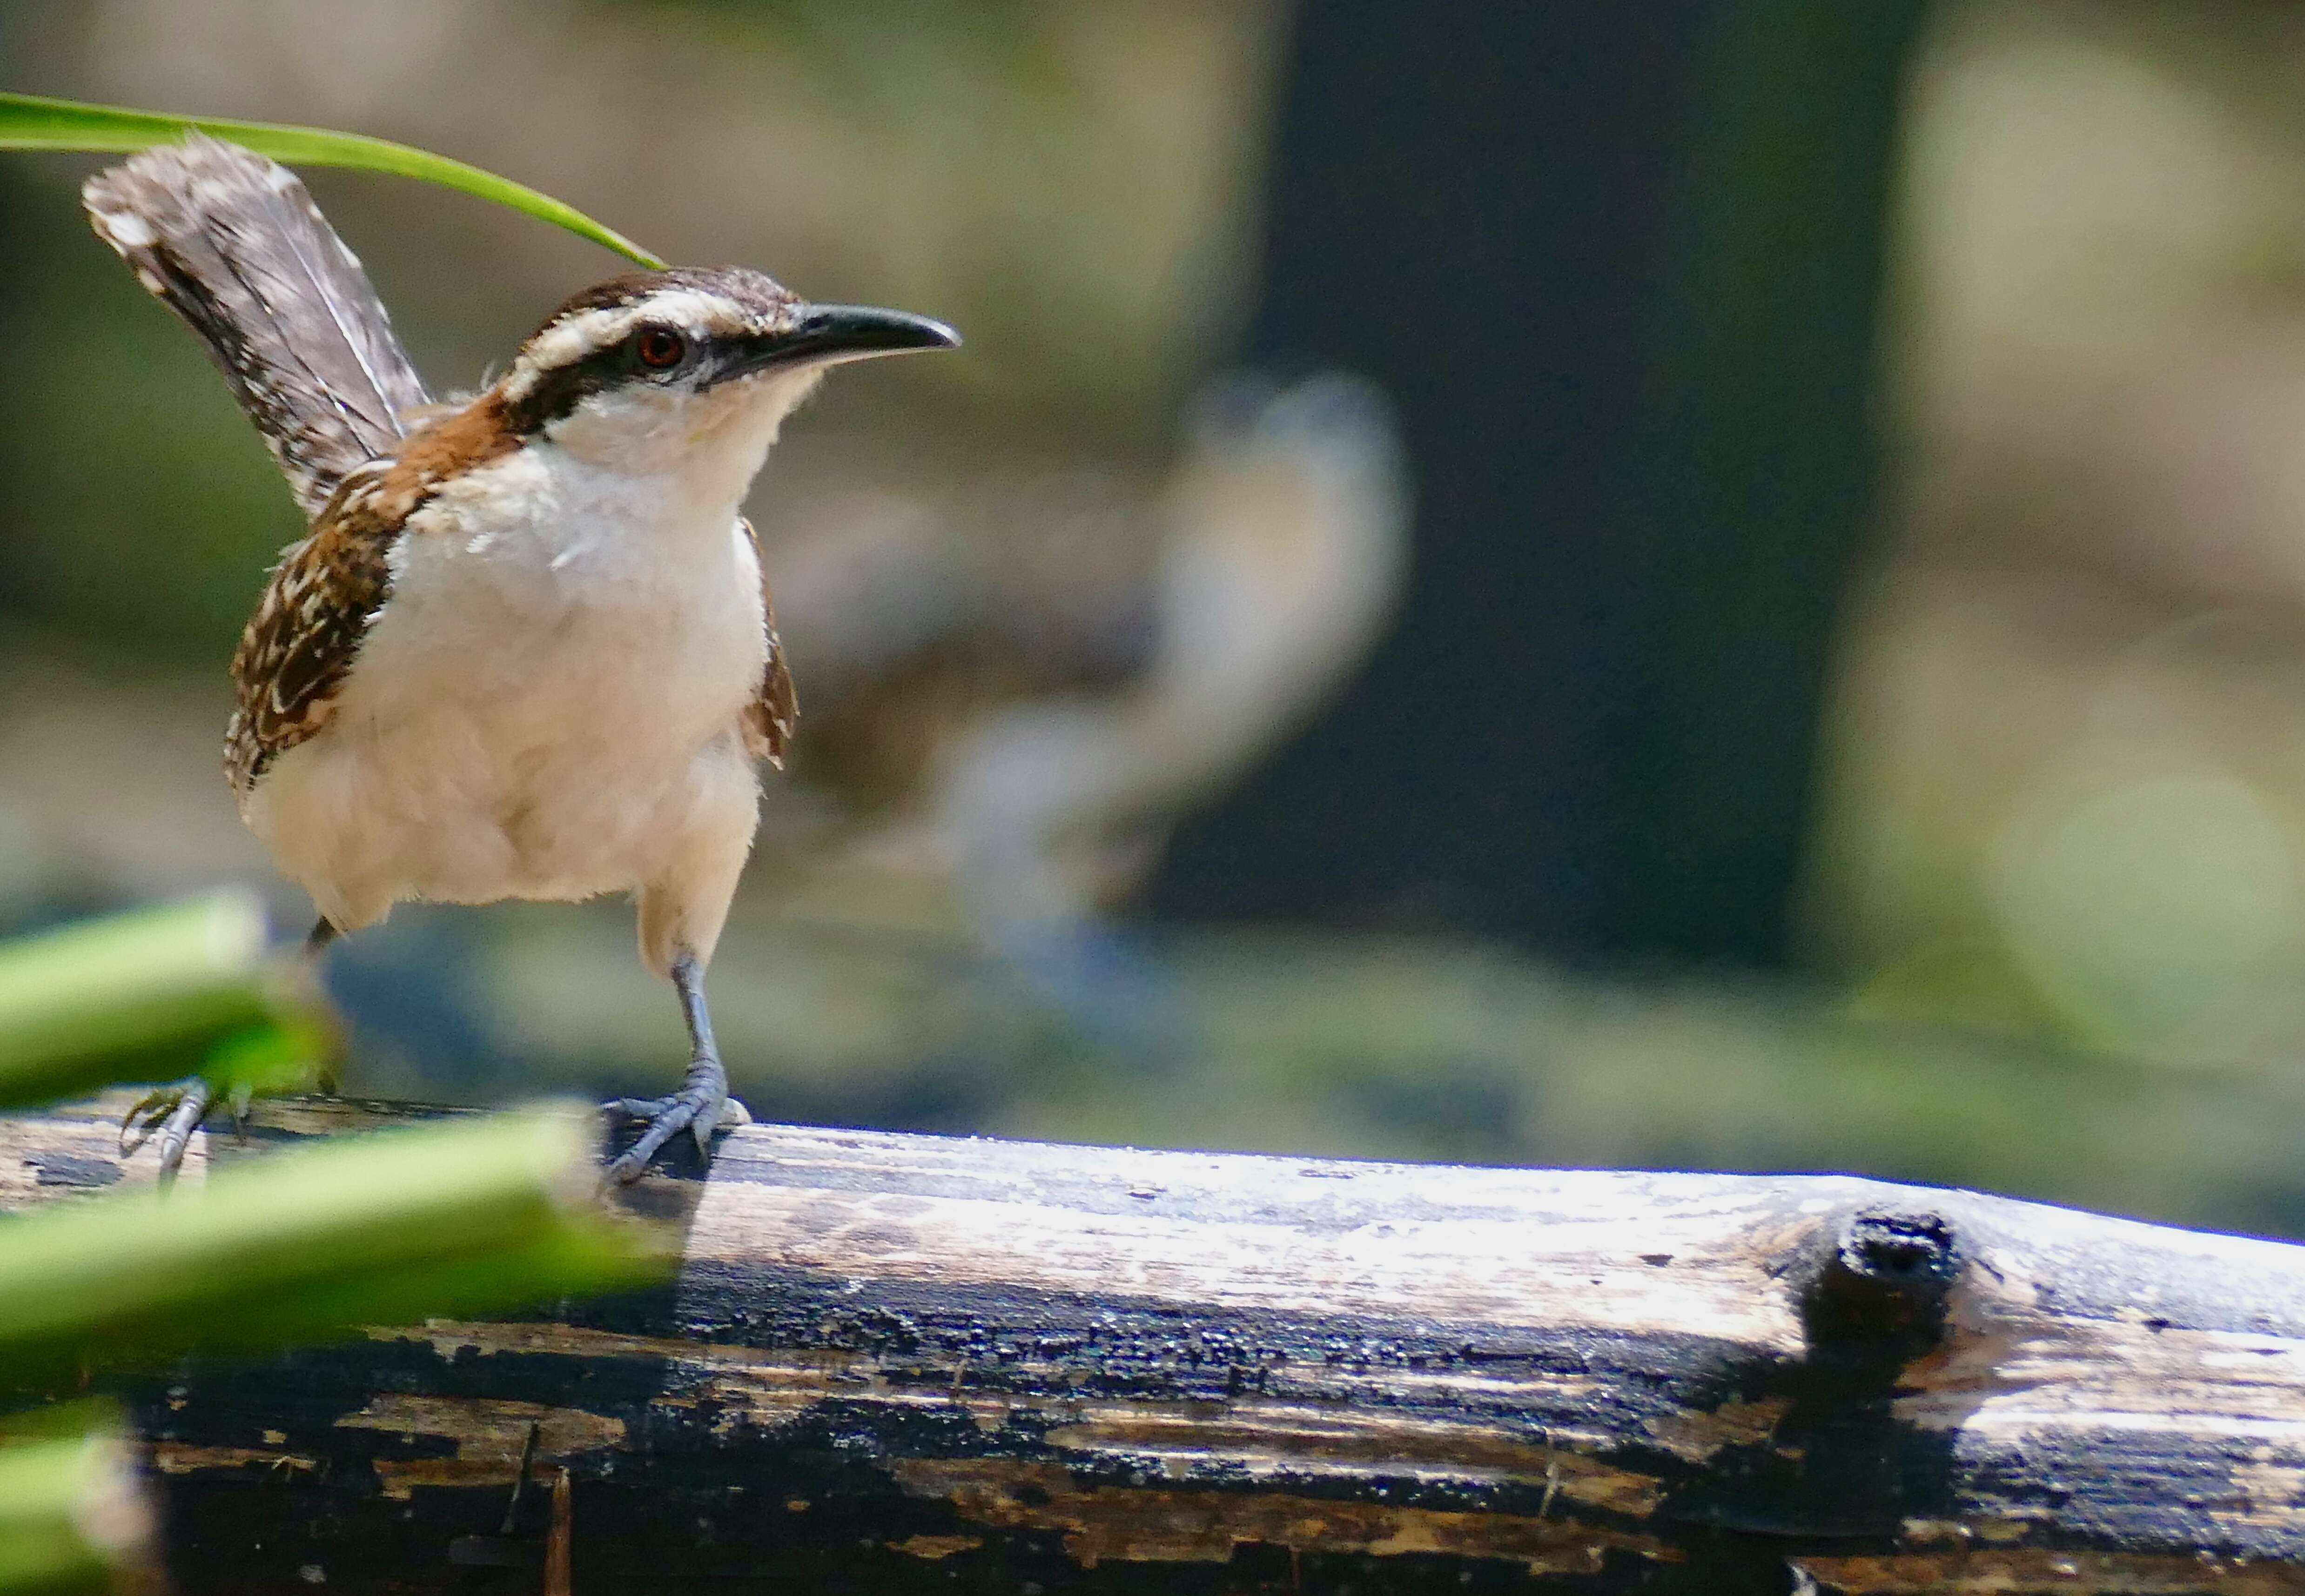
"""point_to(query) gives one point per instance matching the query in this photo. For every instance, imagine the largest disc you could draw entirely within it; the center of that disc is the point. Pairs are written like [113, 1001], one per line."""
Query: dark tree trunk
[1618, 266]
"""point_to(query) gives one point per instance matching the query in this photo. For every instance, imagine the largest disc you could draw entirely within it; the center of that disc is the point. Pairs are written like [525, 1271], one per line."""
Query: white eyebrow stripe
[572, 338]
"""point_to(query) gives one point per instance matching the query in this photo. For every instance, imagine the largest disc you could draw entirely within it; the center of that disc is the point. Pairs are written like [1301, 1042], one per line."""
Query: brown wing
[298, 647]
[768, 720]
[328, 588]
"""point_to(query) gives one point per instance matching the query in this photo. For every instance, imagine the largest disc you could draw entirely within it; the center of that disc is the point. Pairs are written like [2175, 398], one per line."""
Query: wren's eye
[661, 349]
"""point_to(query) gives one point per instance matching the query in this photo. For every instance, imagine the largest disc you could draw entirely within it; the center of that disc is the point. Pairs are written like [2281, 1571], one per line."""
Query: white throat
[707, 447]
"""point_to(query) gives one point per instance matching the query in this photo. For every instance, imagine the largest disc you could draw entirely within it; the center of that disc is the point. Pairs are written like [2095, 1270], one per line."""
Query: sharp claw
[144, 1117]
[696, 1109]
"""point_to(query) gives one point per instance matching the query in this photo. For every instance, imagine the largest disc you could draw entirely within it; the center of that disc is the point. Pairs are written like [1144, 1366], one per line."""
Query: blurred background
[1717, 584]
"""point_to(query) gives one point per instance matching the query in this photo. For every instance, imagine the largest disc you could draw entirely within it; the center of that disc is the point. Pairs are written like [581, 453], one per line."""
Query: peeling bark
[904, 1363]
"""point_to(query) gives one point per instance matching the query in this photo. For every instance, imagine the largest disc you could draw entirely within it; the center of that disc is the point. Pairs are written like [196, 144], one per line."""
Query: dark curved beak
[840, 333]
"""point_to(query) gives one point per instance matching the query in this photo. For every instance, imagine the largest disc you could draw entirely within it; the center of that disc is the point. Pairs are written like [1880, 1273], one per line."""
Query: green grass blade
[152, 995]
[479, 1214]
[72, 1516]
[28, 122]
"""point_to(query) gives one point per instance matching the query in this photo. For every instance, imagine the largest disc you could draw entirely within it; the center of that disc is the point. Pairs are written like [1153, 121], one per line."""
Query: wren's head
[689, 370]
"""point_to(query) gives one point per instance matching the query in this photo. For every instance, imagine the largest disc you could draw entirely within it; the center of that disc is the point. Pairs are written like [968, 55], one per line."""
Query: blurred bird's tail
[233, 243]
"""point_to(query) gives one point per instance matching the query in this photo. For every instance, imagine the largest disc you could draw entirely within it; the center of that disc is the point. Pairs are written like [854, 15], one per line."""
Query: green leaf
[184, 989]
[72, 1516]
[28, 122]
[480, 1214]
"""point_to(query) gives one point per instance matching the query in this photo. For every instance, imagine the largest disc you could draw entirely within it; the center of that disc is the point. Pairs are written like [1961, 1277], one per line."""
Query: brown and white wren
[524, 650]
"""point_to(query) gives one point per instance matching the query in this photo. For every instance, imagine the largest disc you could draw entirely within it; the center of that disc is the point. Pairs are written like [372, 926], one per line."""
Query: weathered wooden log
[907, 1362]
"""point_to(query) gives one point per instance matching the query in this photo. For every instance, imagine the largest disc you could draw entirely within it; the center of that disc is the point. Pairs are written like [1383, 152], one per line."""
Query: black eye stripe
[560, 389]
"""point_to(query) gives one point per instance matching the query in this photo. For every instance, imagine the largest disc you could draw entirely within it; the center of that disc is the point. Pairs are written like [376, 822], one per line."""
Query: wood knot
[1881, 1288]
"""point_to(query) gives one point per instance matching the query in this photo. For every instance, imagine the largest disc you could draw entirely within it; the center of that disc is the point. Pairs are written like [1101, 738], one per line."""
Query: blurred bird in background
[1285, 543]
[1022, 734]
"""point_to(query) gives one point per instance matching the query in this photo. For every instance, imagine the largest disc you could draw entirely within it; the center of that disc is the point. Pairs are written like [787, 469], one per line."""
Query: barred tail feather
[232, 242]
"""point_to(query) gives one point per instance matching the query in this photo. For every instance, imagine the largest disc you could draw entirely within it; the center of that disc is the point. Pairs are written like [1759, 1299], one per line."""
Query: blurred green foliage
[479, 1214]
[70, 1516]
[152, 996]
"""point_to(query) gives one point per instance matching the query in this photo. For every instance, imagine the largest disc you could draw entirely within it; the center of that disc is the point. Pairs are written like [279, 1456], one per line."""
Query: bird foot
[701, 1109]
[173, 1112]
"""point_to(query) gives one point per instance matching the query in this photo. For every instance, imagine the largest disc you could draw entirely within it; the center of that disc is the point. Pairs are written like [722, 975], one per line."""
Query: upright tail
[233, 243]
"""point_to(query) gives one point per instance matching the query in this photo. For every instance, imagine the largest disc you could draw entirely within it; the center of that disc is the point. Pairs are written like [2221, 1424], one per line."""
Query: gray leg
[702, 1106]
[175, 1112]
